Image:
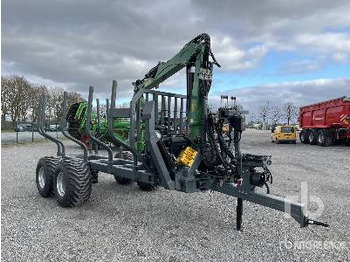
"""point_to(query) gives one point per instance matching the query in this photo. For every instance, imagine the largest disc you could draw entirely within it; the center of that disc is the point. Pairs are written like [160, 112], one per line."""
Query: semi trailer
[325, 123]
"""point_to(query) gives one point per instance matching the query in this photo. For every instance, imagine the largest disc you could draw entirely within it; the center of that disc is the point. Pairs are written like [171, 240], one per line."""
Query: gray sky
[276, 51]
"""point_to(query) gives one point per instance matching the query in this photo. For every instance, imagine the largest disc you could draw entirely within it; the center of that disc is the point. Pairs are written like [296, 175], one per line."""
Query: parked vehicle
[54, 128]
[23, 127]
[284, 134]
[19, 128]
[326, 122]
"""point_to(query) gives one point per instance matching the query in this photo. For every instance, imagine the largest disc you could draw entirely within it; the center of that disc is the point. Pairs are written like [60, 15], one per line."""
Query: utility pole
[267, 119]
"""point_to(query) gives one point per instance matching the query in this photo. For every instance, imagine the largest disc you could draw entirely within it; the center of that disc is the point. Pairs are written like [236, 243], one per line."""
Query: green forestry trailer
[172, 140]
[76, 119]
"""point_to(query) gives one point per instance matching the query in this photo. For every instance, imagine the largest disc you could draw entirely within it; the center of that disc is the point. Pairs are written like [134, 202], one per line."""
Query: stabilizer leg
[239, 210]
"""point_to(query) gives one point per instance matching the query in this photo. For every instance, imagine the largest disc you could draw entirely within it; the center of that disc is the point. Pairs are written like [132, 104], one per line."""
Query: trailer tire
[146, 186]
[45, 171]
[324, 138]
[304, 136]
[122, 180]
[72, 182]
[313, 135]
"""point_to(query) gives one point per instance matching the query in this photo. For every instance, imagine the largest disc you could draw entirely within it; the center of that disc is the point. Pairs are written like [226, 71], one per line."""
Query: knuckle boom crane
[176, 142]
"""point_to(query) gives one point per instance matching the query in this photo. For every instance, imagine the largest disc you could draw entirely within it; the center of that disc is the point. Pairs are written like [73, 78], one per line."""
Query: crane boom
[195, 54]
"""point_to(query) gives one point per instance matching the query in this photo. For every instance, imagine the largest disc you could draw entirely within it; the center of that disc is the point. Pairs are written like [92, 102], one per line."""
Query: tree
[55, 104]
[290, 112]
[20, 100]
[275, 115]
[264, 113]
[73, 97]
[5, 98]
[17, 96]
[37, 93]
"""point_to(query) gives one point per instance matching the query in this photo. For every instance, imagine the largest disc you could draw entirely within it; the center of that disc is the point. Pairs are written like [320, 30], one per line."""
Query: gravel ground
[123, 223]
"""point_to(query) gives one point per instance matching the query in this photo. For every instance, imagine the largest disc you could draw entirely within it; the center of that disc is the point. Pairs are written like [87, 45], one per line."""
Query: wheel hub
[41, 177]
[60, 185]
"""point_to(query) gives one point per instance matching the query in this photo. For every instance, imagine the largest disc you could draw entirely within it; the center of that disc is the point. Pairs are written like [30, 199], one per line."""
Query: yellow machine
[285, 134]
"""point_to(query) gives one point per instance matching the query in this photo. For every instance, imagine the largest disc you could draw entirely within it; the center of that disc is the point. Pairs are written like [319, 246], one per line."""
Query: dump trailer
[173, 141]
[326, 122]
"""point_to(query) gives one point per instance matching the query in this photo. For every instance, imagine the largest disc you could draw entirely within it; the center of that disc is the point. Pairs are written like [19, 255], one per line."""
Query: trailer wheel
[304, 136]
[45, 171]
[324, 138]
[122, 180]
[146, 186]
[313, 137]
[72, 183]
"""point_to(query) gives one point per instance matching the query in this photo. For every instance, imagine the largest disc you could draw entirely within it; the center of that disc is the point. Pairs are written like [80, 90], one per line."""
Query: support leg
[239, 210]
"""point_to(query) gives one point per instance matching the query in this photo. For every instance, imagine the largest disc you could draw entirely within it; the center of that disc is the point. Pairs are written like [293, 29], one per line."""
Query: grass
[7, 131]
